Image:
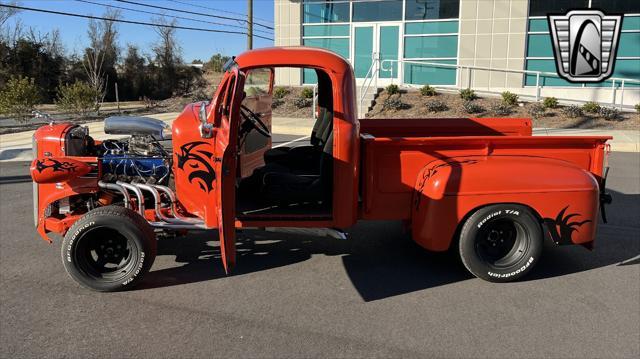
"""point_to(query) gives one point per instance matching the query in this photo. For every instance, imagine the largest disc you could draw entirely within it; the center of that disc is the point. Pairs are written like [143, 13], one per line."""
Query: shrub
[637, 107]
[392, 89]
[394, 103]
[537, 110]
[500, 109]
[149, 103]
[280, 92]
[609, 113]
[276, 102]
[472, 107]
[78, 98]
[573, 111]
[436, 106]
[306, 92]
[550, 102]
[255, 91]
[302, 102]
[468, 94]
[427, 90]
[591, 107]
[509, 98]
[19, 98]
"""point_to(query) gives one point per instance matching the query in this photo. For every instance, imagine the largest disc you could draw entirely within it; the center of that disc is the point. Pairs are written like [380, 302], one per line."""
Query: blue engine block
[134, 166]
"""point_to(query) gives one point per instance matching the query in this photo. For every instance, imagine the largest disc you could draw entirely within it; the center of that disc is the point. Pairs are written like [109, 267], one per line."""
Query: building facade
[494, 39]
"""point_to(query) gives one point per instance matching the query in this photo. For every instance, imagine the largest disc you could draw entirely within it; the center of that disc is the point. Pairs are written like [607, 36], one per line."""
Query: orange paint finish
[60, 169]
[392, 165]
[50, 141]
[191, 153]
[447, 191]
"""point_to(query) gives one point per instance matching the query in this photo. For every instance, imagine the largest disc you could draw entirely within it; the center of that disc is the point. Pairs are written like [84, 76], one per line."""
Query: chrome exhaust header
[177, 221]
[116, 187]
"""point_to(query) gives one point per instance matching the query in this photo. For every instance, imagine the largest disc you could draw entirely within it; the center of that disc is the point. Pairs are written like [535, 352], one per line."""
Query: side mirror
[206, 129]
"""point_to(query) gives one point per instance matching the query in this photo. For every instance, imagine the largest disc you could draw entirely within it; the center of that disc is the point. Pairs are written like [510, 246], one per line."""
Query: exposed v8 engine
[139, 158]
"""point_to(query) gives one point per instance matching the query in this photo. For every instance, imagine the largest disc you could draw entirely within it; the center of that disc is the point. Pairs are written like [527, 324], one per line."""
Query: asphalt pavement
[375, 294]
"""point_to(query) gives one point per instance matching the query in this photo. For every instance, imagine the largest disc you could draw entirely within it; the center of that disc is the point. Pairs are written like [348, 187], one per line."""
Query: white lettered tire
[109, 249]
[501, 242]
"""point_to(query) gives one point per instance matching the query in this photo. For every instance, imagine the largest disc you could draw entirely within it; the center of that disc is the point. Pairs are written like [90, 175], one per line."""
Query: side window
[258, 82]
[258, 87]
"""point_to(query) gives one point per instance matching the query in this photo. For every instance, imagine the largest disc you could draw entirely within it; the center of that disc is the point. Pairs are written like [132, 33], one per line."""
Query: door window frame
[376, 47]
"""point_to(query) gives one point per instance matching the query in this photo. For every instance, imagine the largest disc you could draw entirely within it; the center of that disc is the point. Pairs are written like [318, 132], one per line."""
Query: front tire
[109, 249]
[501, 243]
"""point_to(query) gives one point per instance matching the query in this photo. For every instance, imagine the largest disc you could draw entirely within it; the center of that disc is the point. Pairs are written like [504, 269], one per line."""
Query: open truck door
[226, 151]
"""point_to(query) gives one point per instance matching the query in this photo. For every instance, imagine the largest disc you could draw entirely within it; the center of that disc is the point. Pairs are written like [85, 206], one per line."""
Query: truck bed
[394, 151]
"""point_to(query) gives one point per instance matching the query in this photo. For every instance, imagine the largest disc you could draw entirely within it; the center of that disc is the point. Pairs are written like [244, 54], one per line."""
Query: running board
[318, 232]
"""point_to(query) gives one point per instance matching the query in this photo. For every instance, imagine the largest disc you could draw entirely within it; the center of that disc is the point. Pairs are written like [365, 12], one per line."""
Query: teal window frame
[325, 14]
[380, 10]
[415, 74]
[418, 47]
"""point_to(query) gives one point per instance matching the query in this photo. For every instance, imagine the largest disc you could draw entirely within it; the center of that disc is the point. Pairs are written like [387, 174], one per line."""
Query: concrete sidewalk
[17, 146]
[623, 140]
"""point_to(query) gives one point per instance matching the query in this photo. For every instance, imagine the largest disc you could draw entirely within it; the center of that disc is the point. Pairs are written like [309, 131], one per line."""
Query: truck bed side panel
[390, 166]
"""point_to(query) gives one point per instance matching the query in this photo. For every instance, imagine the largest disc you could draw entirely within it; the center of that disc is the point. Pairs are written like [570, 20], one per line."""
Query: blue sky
[195, 45]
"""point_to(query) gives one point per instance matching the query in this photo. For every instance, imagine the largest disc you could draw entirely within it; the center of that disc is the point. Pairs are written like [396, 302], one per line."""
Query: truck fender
[562, 195]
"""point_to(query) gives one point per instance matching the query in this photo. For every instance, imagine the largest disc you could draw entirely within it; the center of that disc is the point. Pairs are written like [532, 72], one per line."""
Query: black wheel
[501, 243]
[108, 249]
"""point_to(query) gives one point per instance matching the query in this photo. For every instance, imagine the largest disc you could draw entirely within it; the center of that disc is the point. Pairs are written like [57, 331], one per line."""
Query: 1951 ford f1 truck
[482, 186]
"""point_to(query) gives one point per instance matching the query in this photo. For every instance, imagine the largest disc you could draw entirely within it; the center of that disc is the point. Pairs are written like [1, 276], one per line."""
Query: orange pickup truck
[482, 186]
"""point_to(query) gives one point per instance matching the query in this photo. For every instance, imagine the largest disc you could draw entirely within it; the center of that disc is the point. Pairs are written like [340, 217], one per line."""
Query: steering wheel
[254, 120]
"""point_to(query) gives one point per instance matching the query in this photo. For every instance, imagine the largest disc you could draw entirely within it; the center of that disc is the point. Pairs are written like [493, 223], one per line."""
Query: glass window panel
[325, 11]
[363, 49]
[386, 10]
[544, 7]
[538, 25]
[629, 45]
[628, 69]
[631, 23]
[432, 9]
[617, 6]
[429, 74]
[309, 77]
[326, 30]
[439, 27]
[431, 46]
[339, 46]
[545, 66]
[539, 45]
[389, 50]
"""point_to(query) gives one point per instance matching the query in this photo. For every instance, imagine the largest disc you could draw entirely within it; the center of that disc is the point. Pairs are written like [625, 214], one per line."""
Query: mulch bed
[415, 107]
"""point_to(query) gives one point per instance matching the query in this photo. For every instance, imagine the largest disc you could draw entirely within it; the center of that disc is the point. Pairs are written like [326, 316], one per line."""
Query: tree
[6, 13]
[133, 75]
[216, 63]
[19, 98]
[102, 55]
[77, 98]
[31, 56]
[167, 57]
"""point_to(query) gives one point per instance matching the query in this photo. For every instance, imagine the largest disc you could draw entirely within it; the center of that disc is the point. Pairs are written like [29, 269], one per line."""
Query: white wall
[288, 32]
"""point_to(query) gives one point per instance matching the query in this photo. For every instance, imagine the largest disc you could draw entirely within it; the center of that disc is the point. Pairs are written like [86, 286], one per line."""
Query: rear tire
[109, 249]
[501, 243]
